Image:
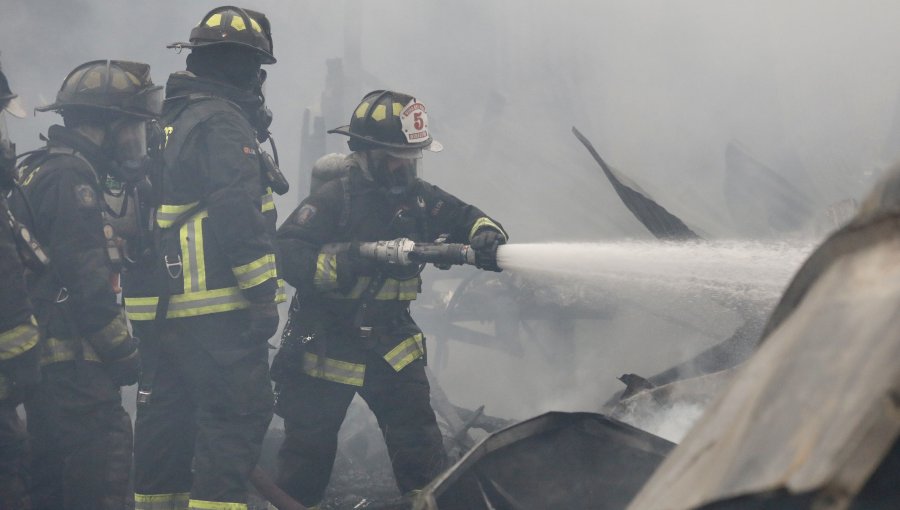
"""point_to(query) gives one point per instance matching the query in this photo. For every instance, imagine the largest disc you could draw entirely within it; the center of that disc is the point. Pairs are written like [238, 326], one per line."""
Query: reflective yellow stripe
[188, 305]
[31, 175]
[268, 201]
[256, 272]
[484, 221]
[192, 256]
[194, 303]
[18, 339]
[361, 110]
[214, 20]
[334, 370]
[199, 504]
[237, 23]
[168, 214]
[326, 272]
[406, 352]
[174, 501]
[112, 335]
[280, 294]
[379, 113]
[55, 350]
[392, 290]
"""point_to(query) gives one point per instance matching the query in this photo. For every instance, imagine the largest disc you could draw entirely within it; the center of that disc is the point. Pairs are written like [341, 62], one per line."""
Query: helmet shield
[130, 140]
[4, 131]
[7, 148]
[7, 155]
[397, 175]
[127, 147]
[8, 100]
[5, 143]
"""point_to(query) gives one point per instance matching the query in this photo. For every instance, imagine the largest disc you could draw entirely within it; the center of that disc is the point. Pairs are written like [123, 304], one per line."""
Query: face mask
[128, 140]
[399, 180]
[7, 156]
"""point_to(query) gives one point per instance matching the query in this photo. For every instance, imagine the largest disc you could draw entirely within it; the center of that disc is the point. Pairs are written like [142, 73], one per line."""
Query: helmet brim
[56, 107]
[431, 144]
[267, 58]
[145, 105]
[14, 107]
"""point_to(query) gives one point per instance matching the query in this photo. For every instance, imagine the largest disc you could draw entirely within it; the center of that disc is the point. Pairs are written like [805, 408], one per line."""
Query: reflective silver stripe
[334, 370]
[18, 340]
[405, 352]
[189, 242]
[180, 305]
[193, 304]
[177, 501]
[256, 272]
[139, 309]
[187, 305]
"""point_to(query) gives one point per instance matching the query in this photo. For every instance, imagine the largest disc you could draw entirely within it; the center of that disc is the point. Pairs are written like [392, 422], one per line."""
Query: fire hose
[405, 252]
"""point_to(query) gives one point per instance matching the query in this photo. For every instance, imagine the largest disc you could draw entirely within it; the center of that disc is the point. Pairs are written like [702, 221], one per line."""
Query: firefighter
[351, 330]
[206, 305]
[19, 360]
[81, 435]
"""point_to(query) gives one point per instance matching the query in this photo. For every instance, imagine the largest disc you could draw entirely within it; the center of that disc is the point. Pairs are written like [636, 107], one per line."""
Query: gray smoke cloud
[808, 87]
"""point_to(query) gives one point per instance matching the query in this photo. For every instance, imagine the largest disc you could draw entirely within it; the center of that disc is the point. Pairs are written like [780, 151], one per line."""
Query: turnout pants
[313, 410]
[13, 450]
[80, 440]
[200, 434]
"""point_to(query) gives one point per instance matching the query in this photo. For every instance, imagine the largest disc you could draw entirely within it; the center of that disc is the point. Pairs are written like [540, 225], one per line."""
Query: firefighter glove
[350, 266]
[125, 371]
[263, 322]
[485, 243]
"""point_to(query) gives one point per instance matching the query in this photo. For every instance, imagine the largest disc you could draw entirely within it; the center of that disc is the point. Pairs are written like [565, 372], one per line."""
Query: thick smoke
[807, 88]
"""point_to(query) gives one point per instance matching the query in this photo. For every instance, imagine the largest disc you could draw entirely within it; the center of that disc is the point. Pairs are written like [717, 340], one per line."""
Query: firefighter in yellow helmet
[205, 304]
[81, 436]
[351, 329]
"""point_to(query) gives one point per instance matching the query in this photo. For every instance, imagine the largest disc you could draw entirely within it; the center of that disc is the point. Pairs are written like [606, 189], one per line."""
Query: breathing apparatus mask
[395, 173]
[261, 119]
[126, 146]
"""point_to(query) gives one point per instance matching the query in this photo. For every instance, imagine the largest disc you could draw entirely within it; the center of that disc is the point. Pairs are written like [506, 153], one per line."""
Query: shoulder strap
[40, 157]
[345, 207]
